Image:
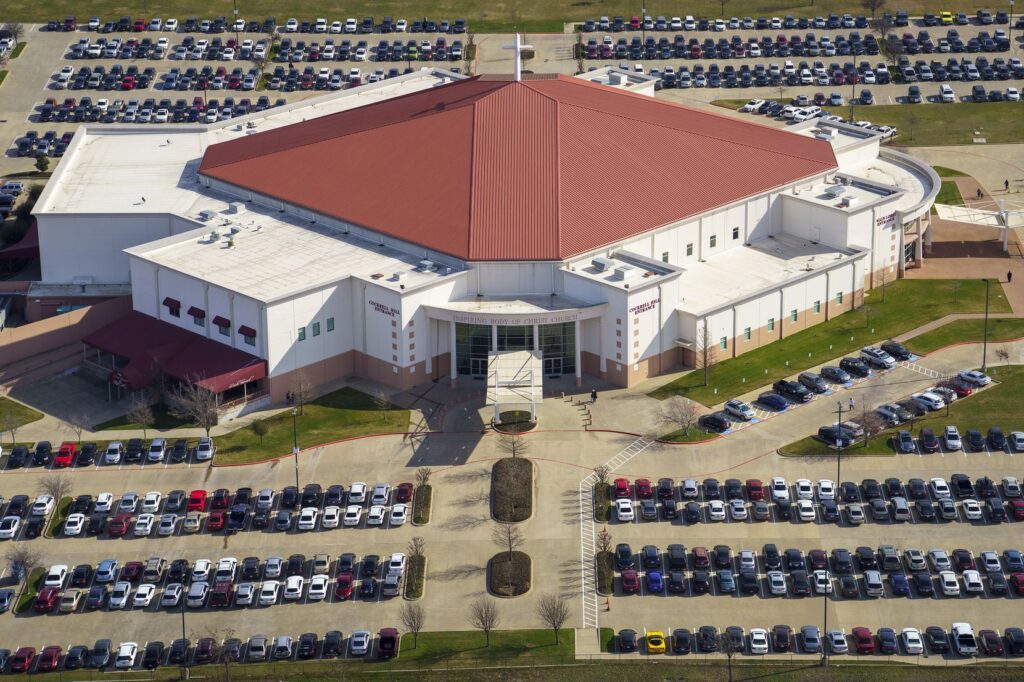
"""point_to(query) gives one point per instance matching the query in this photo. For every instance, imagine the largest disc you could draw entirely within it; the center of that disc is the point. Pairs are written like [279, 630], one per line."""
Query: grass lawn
[959, 331]
[944, 172]
[56, 524]
[21, 414]
[996, 406]
[31, 589]
[934, 124]
[602, 502]
[733, 104]
[909, 304]
[533, 15]
[3, 75]
[949, 194]
[345, 413]
[694, 435]
[163, 420]
[508, 647]
[18, 49]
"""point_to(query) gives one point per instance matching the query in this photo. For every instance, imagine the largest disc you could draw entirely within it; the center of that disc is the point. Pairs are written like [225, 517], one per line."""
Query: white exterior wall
[419, 337]
[859, 154]
[284, 318]
[499, 279]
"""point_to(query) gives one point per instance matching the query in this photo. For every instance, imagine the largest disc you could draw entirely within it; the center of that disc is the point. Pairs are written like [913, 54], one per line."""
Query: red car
[343, 587]
[119, 525]
[215, 521]
[1017, 505]
[387, 643]
[22, 659]
[139, 25]
[221, 499]
[701, 558]
[630, 582]
[65, 455]
[46, 599]
[622, 488]
[48, 659]
[404, 492]
[128, 83]
[643, 489]
[131, 571]
[819, 560]
[634, 23]
[755, 489]
[991, 643]
[961, 389]
[1017, 583]
[864, 640]
[197, 501]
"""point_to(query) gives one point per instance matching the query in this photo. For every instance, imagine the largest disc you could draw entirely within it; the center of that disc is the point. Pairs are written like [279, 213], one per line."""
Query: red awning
[172, 302]
[26, 249]
[221, 321]
[152, 346]
[247, 331]
[197, 312]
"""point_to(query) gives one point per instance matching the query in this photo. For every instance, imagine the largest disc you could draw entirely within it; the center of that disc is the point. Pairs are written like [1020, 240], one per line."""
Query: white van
[873, 584]
[900, 509]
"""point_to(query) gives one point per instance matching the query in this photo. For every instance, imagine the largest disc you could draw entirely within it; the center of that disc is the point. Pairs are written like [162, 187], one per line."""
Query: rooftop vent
[602, 264]
[236, 207]
[625, 272]
[207, 215]
[849, 201]
[376, 275]
[400, 276]
[826, 133]
[835, 190]
[425, 265]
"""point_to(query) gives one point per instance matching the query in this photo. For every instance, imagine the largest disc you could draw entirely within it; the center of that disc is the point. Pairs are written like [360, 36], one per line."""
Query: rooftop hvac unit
[625, 272]
[207, 215]
[835, 190]
[849, 201]
[602, 264]
[400, 276]
[425, 265]
[236, 207]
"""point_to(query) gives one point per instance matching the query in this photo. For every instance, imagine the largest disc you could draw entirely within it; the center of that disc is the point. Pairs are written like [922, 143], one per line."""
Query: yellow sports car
[655, 642]
[946, 18]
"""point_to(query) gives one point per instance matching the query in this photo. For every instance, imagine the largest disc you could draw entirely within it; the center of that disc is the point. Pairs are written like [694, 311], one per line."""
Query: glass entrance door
[553, 367]
[478, 367]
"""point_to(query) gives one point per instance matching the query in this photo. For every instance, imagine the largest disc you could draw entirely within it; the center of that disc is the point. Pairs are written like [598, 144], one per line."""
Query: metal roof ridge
[472, 182]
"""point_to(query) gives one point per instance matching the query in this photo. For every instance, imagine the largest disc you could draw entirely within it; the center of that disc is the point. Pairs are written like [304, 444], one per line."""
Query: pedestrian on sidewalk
[979, 193]
[1009, 276]
[1006, 185]
[852, 404]
[593, 396]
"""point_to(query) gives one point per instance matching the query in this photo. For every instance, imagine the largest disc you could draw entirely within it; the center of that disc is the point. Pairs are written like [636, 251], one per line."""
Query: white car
[151, 502]
[975, 377]
[779, 488]
[804, 489]
[128, 503]
[951, 438]
[205, 449]
[758, 641]
[307, 518]
[119, 596]
[269, 591]
[245, 593]
[990, 562]
[777, 582]
[172, 595]
[972, 582]
[357, 493]
[73, 526]
[752, 105]
[948, 583]
[351, 25]
[104, 503]
[317, 588]
[946, 93]
[144, 525]
[293, 587]
[940, 488]
[226, 570]
[805, 510]
[337, 27]
[359, 643]
[912, 642]
[273, 566]
[144, 595]
[381, 494]
[126, 653]
[930, 401]
[1012, 95]
[291, 26]
[399, 513]
[353, 514]
[197, 593]
[9, 527]
[624, 510]
[331, 517]
[1016, 441]
[826, 489]
[168, 524]
[171, 25]
[56, 575]
[738, 408]
[396, 563]
[43, 505]
[972, 510]
[376, 515]
[940, 559]
[716, 510]
[747, 559]
[855, 514]
[201, 570]
[821, 581]
[738, 510]
[401, 25]
[1011, 486]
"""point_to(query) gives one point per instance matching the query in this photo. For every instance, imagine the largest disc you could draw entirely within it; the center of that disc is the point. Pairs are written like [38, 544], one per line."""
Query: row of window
[315, 329]
[712, 243]
[198, 316]
[723, 343]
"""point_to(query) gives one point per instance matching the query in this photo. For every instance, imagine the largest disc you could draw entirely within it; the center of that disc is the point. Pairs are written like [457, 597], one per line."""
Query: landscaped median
[907, 304]
[60, 515]
[967, 331]
[997, 405]
[31, 589]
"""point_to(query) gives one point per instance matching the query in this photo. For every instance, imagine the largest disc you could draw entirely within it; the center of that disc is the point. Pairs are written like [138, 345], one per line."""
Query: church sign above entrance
[554, 318]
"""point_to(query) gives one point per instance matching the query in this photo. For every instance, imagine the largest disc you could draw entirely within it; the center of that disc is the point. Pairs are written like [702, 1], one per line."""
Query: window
[316, 329]
[792, 315]
[330, 324]
[223, 325]
[198, 316]
[248, 334]
[735, 233]
[839, 297]
[173, 306]
[302, 333]
[771, 324]
[664, 257]
[746, 334]
[713, 240]
[723, 343]
[689, 249]
[175, 312]
[249, 340]
[224, 329]
[817, 307]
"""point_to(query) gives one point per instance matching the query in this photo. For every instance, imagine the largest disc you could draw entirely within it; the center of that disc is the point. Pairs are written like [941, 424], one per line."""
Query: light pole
[1009, 26]
[295, 446]
[184, 663]
[824, 595]
[984, 345]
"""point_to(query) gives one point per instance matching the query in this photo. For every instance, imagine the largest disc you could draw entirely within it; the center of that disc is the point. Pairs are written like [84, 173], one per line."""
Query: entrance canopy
[515, 378]
[152, 346]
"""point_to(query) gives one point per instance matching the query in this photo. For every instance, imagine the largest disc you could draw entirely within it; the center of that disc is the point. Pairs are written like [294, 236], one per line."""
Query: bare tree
[508, 536]
[193, 402]
[553, 611]
[730, 648]
[1004, 355]
[705, 354]
[381, 403]
[423, 476]
[23, 558]
[302, 390]
[413, 618]
[678, 413]
[873, 424]
[260, 63]
[601, 474]
[58, 486]
[604, 541]
[579, 53]
[955, 286]
[513, 444]
[872, 6]
[142, 414]
[10, 422]
[75, 424]
[260, 428]
[483, 615]
[415, 547]
[910, 121]
[868, 311]
[16, 29]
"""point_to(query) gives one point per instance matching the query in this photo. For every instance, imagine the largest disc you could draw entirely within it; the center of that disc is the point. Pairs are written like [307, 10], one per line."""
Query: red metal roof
[493, 169]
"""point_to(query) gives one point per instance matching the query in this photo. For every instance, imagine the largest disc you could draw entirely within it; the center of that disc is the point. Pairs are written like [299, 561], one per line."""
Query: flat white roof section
[743, 272]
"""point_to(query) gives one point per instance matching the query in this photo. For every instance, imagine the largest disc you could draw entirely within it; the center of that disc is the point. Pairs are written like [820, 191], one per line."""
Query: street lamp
[824, 596]
[295, 446]
[184, 663]
[984, 344]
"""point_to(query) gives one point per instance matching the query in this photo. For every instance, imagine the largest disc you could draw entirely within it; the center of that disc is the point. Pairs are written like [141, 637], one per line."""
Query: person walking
[593, 396]
[979, 193]
[1006, 185]
[852, 404]
[1009, 276]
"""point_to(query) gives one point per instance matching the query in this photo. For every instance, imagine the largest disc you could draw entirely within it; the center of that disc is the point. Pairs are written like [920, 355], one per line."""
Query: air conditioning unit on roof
[602, 264]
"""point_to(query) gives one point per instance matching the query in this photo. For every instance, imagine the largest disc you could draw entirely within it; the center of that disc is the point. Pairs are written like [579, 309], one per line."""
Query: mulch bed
[512, 489]
[509, 579]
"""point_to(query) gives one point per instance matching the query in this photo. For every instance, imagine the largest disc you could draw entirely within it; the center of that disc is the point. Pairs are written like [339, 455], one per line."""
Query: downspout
[366, 358]
[661, 343]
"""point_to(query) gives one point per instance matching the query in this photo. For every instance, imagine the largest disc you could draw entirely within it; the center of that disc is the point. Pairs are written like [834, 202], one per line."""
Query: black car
[925, 510]
[749, 583]
[179, 451]
[627, 640]
[669, 509]
[707, 639]
[961, 485]
[794, 559]
[18, 457]
[334, 496]
[178, 653]
[712, 490]
[261, 519]
[849, 491]
[289, 497]
[34, 527]
[676, 582]
[855, 367]
[923, 582]
[896, 350]
[771, 558]
[76, 657]
[371, 565]
[368, 588]
[692, 512]
[937, 639]
[848, 587]
[82, 504]
[927, 440]
[237, 518]
[152, 655]
[232, 650]
[1014, 641]
[830, 511]
[81, 575]
[985, 486]
[813, 382]
[998, 585]
[177, 571]
[835, 435]
[733, 489]
[682, 641]
[623, 556]
[96, 525]
[723, 556]
[700, 582]
[894, 487]
[296, 565]
[311, 495]
[87, 455]
[133, 451]
[784, 509]
[842, 561]
[773, 401]
[99, 656]
[308, 642]
[251, 568]
[793, 390]
[332, 644]
[871, 489]
[666, 489]
[835, 375]
[43, 454]
[801, 582]
[996, 439]
[716, 423]
[650, 556]
[346, 563]
[866, 558]
[974, 440]
[283, 520]
[917, 488]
